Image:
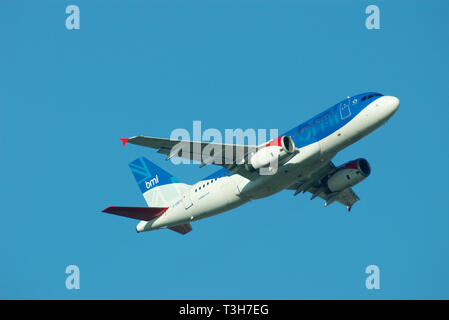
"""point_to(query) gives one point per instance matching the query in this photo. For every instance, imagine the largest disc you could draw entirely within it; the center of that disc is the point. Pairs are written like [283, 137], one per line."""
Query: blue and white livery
[303, 164]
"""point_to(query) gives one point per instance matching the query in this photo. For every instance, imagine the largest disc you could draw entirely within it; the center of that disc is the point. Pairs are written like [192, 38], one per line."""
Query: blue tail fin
[158, 186]
[148, 175]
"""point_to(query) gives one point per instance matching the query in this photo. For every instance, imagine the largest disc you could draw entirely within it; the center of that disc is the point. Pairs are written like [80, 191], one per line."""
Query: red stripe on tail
[139, 213]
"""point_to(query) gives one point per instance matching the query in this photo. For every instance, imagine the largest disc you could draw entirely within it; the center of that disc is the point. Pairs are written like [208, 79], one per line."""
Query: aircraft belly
[264, 186]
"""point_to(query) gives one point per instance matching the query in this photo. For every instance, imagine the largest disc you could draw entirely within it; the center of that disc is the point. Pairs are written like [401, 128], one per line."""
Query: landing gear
[349, 208]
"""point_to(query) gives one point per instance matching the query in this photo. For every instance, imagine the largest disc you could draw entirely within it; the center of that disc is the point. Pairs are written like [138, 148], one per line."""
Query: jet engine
[280, 149]
[349, 174]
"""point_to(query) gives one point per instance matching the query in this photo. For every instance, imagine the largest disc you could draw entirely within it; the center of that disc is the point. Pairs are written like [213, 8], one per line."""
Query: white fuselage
[213, 196]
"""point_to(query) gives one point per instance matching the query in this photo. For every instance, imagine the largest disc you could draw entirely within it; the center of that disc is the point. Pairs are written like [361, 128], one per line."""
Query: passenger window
[364, 98]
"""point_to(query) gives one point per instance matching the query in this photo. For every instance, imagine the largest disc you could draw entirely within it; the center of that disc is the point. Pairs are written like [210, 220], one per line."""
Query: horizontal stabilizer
[182, 228]
[139, 213]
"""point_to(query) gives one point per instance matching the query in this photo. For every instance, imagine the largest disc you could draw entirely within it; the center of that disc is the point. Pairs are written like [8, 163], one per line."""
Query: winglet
[124, 140]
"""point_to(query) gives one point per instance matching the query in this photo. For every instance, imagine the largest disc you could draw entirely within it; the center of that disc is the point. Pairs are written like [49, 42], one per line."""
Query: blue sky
[148, 67]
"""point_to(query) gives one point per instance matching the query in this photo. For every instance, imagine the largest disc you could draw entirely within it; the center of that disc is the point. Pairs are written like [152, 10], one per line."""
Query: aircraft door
[345, 109]
[187, 201]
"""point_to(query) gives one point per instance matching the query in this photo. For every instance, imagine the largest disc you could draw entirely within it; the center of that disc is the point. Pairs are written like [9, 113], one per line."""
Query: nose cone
[391, 104]
[386, 106]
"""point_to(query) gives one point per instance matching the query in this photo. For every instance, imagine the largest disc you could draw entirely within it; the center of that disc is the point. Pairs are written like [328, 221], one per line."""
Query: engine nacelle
[349, 175]
[279, 149]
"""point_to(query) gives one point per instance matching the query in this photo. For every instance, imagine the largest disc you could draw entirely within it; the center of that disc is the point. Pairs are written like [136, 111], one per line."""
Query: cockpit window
[371, 96]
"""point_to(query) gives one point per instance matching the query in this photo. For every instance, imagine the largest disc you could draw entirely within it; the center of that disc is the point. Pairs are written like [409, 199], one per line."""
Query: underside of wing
[346, 197]
[217, 153]
[229, 156]
[317, 186]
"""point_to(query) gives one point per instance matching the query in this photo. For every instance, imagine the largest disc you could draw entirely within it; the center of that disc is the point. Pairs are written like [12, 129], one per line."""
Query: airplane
[302, 157]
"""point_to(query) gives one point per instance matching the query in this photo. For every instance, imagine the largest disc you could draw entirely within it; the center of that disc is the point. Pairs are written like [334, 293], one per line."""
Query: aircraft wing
[317, 186]
[230, 156]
